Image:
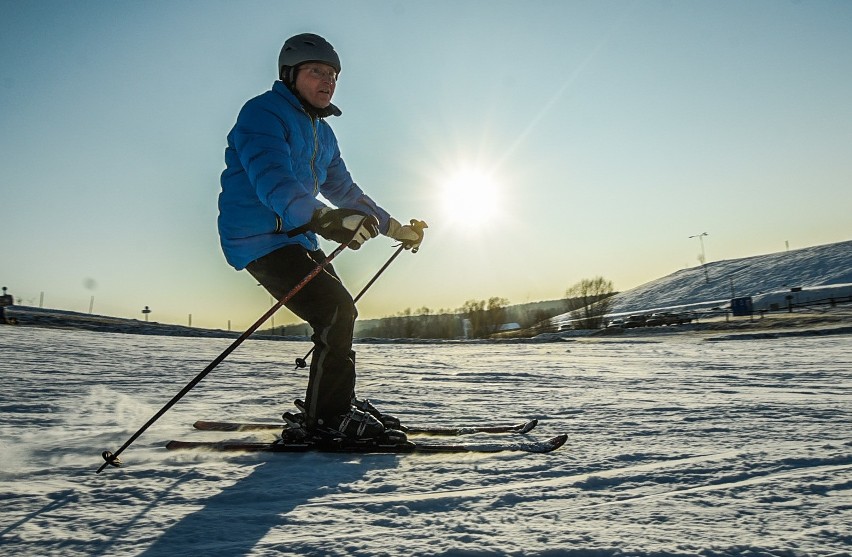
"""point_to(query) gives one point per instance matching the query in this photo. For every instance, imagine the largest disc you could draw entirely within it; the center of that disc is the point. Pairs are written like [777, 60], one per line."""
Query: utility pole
[703, 258]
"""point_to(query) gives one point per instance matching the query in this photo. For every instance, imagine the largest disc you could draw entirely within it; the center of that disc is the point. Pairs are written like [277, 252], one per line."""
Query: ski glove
[411, 235]
[344, 226]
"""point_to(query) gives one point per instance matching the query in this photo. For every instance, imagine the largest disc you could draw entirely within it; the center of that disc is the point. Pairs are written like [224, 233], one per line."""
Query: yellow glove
[411, 235]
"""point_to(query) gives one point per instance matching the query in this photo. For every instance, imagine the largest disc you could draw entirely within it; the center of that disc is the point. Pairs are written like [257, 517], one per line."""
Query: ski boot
[294, 428]
[364, 405]
[352, 428]
[391, 422]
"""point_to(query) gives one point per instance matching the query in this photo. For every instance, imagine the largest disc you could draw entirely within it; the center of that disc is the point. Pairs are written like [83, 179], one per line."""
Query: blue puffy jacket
[277, 161]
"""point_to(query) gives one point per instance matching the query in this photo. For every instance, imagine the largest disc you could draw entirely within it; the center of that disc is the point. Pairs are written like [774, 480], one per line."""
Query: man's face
[315, 82]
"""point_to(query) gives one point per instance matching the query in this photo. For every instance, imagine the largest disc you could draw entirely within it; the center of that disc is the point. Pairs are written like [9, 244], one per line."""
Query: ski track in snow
[677, 446]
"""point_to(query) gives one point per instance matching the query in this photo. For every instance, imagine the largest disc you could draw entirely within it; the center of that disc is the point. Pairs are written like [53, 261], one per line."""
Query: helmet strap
[288, 76]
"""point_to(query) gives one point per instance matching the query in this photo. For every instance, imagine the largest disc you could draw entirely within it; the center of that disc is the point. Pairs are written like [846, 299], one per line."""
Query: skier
[281, 154]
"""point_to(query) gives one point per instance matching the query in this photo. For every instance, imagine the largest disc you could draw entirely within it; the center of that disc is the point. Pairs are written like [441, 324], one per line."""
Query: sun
[471, 197]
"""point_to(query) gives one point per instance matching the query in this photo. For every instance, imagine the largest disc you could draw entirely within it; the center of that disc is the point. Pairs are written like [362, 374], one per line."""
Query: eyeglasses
[319, 73]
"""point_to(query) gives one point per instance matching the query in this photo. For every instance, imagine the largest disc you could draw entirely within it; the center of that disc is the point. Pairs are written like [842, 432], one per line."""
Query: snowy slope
[677, 447]
[719, 281]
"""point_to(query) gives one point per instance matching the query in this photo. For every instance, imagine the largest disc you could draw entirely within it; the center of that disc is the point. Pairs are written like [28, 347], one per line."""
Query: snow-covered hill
[717, 282]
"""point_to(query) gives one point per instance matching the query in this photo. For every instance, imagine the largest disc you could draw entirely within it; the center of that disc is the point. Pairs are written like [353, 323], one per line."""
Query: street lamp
[703, 258]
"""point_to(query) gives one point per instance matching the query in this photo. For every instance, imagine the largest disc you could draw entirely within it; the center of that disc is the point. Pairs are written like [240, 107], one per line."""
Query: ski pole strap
[299, 230]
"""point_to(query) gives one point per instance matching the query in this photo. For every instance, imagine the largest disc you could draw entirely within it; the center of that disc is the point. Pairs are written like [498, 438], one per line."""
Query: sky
[544, 142]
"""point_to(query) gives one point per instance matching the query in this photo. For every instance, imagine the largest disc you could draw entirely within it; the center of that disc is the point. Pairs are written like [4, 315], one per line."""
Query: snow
[677, 446]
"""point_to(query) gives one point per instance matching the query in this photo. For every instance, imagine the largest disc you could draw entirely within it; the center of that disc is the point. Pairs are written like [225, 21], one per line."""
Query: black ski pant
[328, 307]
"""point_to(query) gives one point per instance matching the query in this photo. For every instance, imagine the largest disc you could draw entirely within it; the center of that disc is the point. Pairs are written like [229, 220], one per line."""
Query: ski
[521, 428]
[407, 447]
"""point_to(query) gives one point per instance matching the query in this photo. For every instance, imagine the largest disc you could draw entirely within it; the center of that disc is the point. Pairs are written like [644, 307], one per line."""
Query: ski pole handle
[418, 226]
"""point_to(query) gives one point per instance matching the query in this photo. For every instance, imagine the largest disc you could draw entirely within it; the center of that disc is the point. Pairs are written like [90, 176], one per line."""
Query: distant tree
[485, 317]
[538, 321]
[474, 311]
[420, 323]
[589, 301]
[496, 313]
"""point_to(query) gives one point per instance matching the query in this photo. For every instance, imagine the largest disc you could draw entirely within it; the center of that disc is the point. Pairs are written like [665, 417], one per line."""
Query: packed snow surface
[677, 446]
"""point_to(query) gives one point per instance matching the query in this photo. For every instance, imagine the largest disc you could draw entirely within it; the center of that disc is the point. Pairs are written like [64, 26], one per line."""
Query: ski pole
[417, 225]
[112, 458]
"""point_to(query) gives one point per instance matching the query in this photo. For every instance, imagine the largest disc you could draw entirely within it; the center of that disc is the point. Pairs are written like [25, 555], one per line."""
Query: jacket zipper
[314, 155]
[279, 225]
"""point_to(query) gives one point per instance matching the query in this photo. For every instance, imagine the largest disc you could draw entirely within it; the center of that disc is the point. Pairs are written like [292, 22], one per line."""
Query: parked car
[657, 320]
[618, 322]
[684, 318]
[634, 321]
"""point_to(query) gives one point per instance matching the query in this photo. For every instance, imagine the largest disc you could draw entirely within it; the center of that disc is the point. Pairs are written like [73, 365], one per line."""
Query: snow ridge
[813, 266]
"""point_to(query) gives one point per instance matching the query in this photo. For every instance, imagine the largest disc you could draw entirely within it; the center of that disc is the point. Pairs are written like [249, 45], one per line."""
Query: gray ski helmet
[306, 47]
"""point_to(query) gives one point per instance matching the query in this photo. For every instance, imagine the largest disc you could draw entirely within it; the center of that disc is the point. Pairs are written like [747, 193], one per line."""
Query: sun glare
[471, 198]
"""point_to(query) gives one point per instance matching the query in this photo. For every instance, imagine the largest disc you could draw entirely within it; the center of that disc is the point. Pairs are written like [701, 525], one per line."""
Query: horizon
[542, 142]
[270, 323]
